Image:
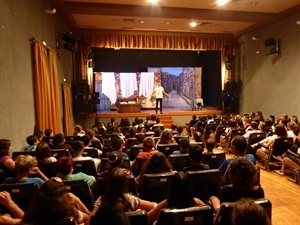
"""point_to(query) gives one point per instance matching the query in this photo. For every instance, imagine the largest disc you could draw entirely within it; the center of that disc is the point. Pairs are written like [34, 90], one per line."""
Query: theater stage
[167, 112]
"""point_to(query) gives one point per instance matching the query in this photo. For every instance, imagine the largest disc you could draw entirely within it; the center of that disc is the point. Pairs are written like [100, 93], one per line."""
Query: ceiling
[236, 18]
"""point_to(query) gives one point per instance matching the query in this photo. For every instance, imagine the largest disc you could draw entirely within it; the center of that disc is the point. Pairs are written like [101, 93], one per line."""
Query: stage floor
[206, 110]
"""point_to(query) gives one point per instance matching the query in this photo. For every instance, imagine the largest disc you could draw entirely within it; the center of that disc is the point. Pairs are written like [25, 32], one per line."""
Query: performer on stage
[159, 92]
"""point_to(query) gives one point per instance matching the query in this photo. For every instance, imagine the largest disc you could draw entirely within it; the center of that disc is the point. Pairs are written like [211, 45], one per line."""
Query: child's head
[195, 153]
[32, 140]
[210, 144]
[24, 163]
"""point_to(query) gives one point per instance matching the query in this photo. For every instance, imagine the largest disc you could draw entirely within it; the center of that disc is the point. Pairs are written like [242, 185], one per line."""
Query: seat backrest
[131, 142]
[72, 138]
[105, 165]
[16, 154]
[66, 221]
[187, 216]
[167, 149]
[81, 189]
[137, 217]
[49, 169]
[237, 131]
[134, 151]
[91, 152]
[281, 145]
[219, 131]
[226, 208]
[85, 166]
[209, 128]
[206, 183]
[178, 138]
[48, 139]
[154, 187]
[21, 194]
[197, 143]
[101, 184]
[179, 161]
[214, 159]
[57, 153]
[140, 162]
[256, 137]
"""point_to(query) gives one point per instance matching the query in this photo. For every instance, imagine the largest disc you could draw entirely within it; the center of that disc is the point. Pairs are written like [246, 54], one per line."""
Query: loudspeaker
[269, 42]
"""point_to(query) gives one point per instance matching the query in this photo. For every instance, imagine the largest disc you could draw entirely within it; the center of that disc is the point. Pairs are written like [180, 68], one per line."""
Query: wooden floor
[284, 196]
[206, 110]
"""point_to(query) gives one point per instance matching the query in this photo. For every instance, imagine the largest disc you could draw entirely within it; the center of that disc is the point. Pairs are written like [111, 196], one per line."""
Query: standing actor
[159, 92]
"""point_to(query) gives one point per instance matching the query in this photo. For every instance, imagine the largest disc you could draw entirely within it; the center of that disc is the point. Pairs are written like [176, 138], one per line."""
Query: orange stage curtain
[47, 105]
[157, 40]
[68, 111]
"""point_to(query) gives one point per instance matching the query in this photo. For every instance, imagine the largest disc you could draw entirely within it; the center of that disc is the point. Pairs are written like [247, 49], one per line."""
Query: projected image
[182, 83]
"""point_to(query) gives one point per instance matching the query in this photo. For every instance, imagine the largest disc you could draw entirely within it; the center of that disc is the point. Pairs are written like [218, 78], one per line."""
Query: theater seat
[224, 214]
[66, 221]
[206, 183]
[179, 161]
[137, 217]
[154, 187]
[188, 216]
[214, 159]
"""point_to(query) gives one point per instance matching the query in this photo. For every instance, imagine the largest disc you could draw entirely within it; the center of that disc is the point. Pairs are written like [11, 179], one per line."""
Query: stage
[167, 112]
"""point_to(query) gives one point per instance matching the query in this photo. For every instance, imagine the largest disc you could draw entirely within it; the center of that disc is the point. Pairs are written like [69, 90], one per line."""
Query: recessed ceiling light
[142, 21]
[193, 24]
[168, 23]
[153, 1]
[222, 2]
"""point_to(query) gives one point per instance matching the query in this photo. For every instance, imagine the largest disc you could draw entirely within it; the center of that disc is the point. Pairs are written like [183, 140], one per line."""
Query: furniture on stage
[197, 103]
[129, 107]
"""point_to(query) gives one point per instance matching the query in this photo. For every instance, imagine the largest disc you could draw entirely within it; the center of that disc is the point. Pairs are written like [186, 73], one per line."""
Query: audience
[43, 153]
[116, 194]
[238, 148]
[78, 147]
[110, 215]
[65, 171]
[59, 143]
[53, 203]
[195, 154]
[6, 162]
[184, 145]
[32, 142]
[180, 195]
[210, 144]
[6, 219]
[26, 165]
[115, 160]
[247, 212]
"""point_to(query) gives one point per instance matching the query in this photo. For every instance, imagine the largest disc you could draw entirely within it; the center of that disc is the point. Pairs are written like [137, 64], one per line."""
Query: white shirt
[159, 92]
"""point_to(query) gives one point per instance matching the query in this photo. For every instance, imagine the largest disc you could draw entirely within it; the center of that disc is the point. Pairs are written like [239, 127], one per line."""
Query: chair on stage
[188, 216]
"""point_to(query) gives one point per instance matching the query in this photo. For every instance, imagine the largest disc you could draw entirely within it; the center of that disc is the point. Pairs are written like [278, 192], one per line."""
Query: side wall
[21, 20]
[271, 83]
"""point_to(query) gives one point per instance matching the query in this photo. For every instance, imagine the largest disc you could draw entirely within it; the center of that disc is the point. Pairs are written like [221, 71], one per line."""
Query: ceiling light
[193, 24]
[153, 1]
[222, 2]
[168, 23]
[142, 21]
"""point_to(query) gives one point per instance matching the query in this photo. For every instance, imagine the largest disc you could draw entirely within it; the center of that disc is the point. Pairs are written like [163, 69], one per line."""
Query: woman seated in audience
[116, 194]
[166, 138]
[110, 215]
[43, 153]
[6, 219]
[290, 161]
[6, 162]
[157, 163]
[268, 142]
[53, 203]
[247, 212]
[78, 131]
[243, 176]
[180, 195]
[65, 171]
[95, 142]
